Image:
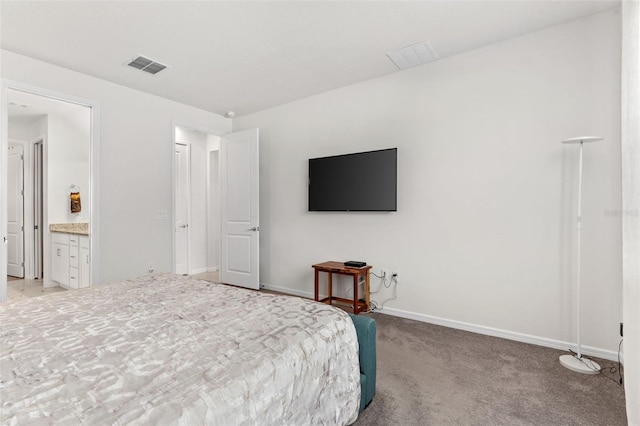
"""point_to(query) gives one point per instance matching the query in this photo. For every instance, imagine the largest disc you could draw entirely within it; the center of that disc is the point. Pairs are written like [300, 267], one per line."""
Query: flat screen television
[364, 181]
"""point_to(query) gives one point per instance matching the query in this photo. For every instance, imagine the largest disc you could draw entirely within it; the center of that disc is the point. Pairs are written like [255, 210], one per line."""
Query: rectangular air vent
[411, 56]
[146, 65]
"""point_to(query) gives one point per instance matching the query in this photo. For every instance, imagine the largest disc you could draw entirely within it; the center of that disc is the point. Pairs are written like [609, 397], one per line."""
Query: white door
[239, 202]
[182, 208]
[15, 211]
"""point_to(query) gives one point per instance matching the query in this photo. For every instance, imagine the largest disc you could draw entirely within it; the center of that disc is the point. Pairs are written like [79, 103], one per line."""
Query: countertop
[70, 228]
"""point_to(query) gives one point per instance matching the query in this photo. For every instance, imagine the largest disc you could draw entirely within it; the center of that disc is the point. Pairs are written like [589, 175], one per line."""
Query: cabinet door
[74, 280]
[60, 263]
[85, 268]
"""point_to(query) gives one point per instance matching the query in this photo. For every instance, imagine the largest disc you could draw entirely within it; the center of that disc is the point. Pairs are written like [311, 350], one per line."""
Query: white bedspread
[169, 349]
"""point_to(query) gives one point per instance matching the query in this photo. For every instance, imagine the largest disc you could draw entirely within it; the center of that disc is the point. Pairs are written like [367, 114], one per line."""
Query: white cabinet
[60, 259]
[74, 276]
[85, 265]
[70, 265]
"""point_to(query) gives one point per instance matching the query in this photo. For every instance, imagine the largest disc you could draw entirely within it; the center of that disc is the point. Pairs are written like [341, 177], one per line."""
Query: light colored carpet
[432, 375]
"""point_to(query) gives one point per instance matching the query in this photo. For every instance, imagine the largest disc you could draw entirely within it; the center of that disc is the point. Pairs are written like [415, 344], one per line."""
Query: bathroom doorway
[59, 137]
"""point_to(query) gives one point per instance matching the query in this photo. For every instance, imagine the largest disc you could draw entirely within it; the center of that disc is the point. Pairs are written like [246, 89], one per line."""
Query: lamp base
[579, 365]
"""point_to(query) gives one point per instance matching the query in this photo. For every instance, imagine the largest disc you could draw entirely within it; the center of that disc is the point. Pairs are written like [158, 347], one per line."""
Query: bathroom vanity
[70, 255]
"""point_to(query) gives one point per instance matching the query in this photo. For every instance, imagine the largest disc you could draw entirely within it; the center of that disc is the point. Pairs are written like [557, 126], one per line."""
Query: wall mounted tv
[364, 181]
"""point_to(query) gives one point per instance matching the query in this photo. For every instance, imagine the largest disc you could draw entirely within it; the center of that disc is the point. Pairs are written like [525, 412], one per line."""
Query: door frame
[174, 141]
[94, 172]
[37, 253]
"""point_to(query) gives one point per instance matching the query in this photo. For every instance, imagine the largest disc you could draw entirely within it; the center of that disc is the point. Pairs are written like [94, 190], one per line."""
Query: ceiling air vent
[411, 56]
[146, 65]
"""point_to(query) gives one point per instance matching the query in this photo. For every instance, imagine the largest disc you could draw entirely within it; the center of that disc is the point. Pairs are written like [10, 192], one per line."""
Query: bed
[169, 349]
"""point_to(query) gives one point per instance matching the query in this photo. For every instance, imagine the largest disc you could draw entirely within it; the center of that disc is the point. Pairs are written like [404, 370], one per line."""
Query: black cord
[619, 364]
[383, 278]
[610, 367]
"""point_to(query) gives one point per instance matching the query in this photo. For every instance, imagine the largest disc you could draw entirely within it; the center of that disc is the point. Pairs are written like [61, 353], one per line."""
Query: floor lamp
[576, 362]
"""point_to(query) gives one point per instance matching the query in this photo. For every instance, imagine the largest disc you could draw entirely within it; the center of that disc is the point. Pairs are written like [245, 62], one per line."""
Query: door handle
[186, 225]
[254, 229]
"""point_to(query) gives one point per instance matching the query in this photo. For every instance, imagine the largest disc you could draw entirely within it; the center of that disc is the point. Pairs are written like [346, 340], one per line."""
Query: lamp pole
[576, 362]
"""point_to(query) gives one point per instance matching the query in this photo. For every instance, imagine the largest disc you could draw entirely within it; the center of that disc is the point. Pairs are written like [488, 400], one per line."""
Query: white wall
[23, 131]
[135, 152]
[483, 236]
[67, 130]
[68, 149]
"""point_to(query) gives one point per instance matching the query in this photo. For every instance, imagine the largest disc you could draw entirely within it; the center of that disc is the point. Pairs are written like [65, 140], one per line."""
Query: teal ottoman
[366, 331]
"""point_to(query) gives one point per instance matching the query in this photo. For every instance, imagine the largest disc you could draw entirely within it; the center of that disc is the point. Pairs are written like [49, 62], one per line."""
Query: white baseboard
[290, 291]
[474, 328]
[203, 270]
[505, 334]
[47, 283]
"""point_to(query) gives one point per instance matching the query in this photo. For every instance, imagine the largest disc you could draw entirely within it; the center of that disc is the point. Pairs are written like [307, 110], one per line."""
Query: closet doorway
[196, 200]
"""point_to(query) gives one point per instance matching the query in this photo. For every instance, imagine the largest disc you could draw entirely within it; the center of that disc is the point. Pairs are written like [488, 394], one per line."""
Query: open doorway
[56, 136]
[24, 205]
[196, 195]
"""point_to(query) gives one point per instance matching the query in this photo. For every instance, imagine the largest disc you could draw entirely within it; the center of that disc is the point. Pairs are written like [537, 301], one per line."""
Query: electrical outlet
[396, 276]
[384, 273]
[161, 215]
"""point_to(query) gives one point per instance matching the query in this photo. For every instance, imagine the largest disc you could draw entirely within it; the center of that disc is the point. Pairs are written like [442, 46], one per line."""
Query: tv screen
[365, 181]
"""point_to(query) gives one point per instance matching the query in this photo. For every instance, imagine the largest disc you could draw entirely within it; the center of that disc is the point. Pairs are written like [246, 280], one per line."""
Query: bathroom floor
[19, 289]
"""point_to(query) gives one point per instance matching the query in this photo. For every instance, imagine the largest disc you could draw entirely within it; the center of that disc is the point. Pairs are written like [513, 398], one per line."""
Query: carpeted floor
[432, 375]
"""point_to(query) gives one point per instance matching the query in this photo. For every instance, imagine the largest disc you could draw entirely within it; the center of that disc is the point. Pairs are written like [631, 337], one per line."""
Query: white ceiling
[249, 56]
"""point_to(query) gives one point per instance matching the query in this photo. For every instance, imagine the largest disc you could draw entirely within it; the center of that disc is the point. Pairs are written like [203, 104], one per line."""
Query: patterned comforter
[168, 349]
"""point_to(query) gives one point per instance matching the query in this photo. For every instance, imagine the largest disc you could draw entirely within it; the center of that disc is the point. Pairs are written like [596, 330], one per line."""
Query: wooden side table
[339, 268]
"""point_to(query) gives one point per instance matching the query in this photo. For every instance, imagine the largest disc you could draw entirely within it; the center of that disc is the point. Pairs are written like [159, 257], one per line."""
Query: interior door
[182, 208]
[15, 211]
[239, 202]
